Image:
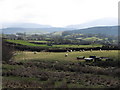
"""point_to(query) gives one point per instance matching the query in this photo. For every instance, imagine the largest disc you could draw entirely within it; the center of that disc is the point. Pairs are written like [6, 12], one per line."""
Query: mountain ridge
[108, 30]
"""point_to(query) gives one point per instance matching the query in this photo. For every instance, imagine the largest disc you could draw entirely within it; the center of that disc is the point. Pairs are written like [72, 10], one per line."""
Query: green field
[38, 41]
[92, 39]
[78, 46]
[54, 70]
[53, 46]
[52, 56]
[22, 42]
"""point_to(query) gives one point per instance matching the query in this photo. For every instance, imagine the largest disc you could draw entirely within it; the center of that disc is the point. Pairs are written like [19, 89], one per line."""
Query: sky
[57, 13]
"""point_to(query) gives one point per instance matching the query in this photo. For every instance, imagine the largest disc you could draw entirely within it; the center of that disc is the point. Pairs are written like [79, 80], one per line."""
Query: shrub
[7, 52]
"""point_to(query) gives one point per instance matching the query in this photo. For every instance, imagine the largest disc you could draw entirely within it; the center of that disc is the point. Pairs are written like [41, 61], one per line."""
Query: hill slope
[14, 30]
[108, 30]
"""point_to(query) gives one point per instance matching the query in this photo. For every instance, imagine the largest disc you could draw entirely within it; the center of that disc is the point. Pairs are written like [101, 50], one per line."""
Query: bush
[7, 52]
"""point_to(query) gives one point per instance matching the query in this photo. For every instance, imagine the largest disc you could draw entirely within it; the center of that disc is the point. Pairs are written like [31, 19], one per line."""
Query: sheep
[91, 50]
[80, 50]
[83, 50]
[70, 50]
[67, 51]
[56, 61]
[35, 52]
[66, 55]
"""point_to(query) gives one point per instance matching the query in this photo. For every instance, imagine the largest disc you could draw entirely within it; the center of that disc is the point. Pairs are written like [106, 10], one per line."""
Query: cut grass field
[22, 42]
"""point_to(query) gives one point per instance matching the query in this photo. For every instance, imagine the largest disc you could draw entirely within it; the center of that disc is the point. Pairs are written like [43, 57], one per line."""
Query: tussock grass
[54, 70]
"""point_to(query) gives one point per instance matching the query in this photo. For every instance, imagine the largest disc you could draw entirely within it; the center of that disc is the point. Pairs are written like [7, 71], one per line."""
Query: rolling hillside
[108, 30]
[14, 30]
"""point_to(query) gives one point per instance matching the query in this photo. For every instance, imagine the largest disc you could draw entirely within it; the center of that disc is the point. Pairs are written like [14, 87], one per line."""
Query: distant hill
[14, 30]
[96, 23]
[43, 29]
[25, 25]
[108, 30]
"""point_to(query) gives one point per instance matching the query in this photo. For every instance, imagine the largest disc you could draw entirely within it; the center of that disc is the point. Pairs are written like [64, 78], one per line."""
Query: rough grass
[58, 75]
[54, 70]
[51, 56]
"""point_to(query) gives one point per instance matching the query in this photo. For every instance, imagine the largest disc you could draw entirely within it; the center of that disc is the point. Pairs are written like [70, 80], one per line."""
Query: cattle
[106, 59]
[92, 57]
[97, 59]
[88, 59]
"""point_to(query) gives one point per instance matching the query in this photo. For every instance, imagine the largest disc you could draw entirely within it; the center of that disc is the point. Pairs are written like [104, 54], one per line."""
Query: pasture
[27, 43]
[54, 70]
[60, 56]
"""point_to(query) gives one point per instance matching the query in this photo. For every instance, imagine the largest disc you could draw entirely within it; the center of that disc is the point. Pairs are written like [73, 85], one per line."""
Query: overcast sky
[57, 12]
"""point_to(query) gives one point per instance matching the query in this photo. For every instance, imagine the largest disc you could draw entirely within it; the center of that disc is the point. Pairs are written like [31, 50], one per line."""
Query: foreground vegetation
[54, 70]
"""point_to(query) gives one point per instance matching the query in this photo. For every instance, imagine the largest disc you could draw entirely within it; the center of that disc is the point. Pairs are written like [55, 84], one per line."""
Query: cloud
[56, 12]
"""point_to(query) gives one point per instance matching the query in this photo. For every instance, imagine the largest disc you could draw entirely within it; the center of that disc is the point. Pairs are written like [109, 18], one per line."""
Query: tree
[7, 52]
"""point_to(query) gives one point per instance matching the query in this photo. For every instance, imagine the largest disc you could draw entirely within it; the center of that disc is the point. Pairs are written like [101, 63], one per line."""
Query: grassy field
[54, 70]
[53, 46]
[38, 41]
[61, 55]
[22, 42]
